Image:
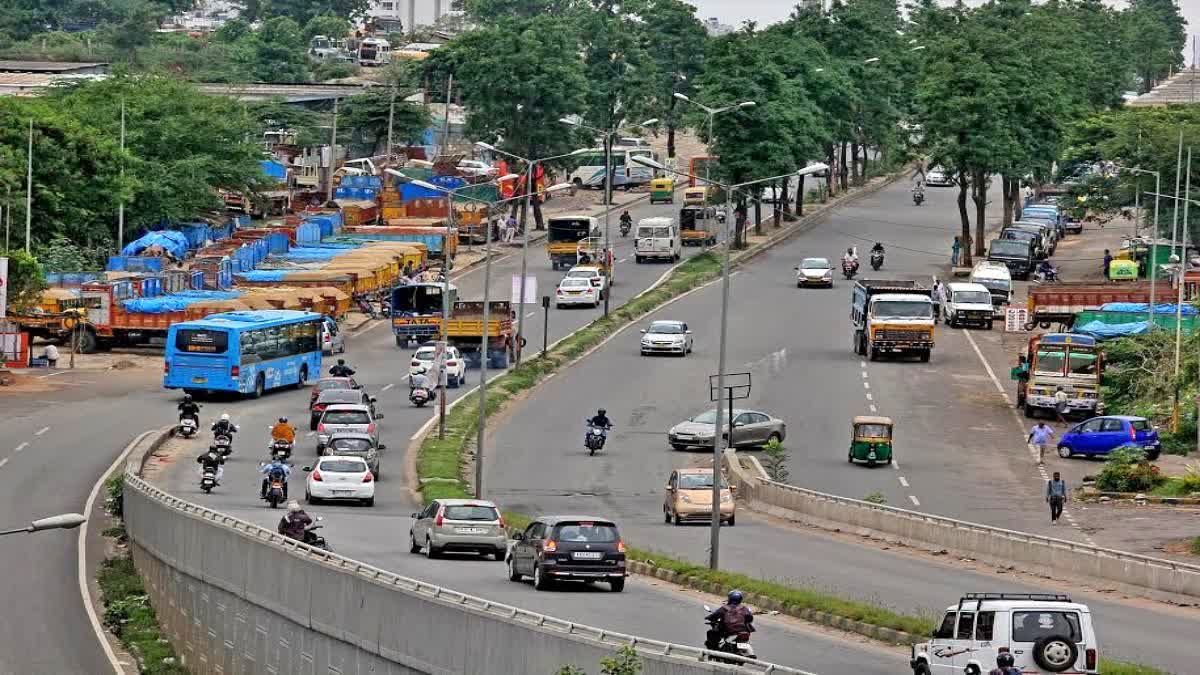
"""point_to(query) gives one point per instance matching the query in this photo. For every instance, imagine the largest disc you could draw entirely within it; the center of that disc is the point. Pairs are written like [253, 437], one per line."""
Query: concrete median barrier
[1156, 578]
[235, 597]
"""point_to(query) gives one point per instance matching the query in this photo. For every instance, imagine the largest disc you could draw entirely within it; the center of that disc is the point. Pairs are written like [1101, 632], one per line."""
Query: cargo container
[359, 211]
[433, 238]
[1060, 302]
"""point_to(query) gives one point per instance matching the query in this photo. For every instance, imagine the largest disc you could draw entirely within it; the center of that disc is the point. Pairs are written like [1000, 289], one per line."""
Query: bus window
[1050, 360]
[1081, 363]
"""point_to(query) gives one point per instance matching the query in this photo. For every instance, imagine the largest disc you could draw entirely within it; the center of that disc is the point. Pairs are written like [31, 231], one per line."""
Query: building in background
[715, 28]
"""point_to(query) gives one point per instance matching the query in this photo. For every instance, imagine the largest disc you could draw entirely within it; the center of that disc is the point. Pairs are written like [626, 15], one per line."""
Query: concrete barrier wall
[237, 598]
[1138, 574]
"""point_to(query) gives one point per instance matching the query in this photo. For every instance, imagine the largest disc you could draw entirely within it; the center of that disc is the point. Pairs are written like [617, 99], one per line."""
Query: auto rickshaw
[1123, 269]
[871, 440]
[662, 190]
[695, 196]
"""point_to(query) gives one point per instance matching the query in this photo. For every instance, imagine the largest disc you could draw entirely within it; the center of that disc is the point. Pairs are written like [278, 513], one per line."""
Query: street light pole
[29, 190]
[121, 205]
[1154, 234]
[65, 521]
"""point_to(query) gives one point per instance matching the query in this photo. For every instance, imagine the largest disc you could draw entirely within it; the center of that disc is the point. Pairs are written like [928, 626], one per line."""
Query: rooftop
[31, 84]
[50, 67]
[1181, 88]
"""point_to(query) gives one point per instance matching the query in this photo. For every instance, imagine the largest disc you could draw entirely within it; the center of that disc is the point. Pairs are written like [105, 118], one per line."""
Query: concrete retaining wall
[1059, 558]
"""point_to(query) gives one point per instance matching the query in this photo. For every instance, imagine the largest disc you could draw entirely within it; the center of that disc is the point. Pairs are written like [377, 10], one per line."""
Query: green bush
[1127, 470]
[128, 614]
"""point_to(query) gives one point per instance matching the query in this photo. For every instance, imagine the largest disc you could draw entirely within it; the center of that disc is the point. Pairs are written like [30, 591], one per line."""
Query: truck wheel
[925, 356]
[401, 341]
[874, 353]
[1029, 410]
[87, 342]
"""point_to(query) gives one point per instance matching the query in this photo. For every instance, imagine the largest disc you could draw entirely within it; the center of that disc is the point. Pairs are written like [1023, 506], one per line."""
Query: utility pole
[446, 116]
[121, 206]
[1179, 282]
[530, 174]
[608, 178]
[391, 121]
[332, 153]
[480, 427]
[29, 191]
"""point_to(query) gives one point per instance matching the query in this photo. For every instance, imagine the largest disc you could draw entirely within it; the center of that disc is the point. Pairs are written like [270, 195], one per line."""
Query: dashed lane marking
[914, 500]
[903, 481]
[530, 314]
[866, 385]
[869, 396]
[873, 408]
[3, 462]
[41, 431]
[386, 387]
[864, 374]
[21, 447]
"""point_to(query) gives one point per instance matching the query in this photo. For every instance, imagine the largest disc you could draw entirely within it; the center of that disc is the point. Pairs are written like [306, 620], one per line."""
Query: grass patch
[1196, 546]
[128, 614]
[1111, 667]
[440, 461]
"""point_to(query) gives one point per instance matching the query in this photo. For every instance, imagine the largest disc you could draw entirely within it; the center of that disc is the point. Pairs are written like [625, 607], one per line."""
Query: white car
[456, 367]
[343, 477]
[475, 168]
[1044, 632]
[814, 272]
[592, 273]
[575, 291]
[667, 337]
[937, 177]
[967, 303]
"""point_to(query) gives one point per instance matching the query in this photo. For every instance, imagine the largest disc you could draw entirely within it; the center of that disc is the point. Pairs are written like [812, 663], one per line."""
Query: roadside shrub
[775, 459]
[876, 497]
[1127, 470]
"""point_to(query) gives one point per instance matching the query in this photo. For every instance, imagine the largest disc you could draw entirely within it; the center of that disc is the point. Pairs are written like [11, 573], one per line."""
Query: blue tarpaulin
[263, 275]
[1163, 308]
[175, 303]
[274, 169]
[1109, 331]
[312, 253]
[174, 242]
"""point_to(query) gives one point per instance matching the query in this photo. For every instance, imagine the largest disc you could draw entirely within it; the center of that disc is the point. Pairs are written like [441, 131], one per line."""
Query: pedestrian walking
[955, 249]
[1060, 404]
[1107, 262]
[510, 229]
[1039, 437]
[1056, 496]
[50, 353]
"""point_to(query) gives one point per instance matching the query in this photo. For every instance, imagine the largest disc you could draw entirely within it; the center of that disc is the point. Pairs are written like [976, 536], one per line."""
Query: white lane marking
[364, 331]
[41, 431]
[866, 385]
[895, 465]
[914, 500]
[530, 314]
[310, 434]
[387, 386]
[60, 372]
[432, 419]
[873, 408]
[21, 447]
[903, 480]
[624, 259]
[862, 363]
[3, 461]
[987, 366]
[864, 374]
[869, 396]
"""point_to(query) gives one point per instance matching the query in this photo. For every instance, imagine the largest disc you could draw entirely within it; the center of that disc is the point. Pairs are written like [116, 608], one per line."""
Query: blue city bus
[247, 352]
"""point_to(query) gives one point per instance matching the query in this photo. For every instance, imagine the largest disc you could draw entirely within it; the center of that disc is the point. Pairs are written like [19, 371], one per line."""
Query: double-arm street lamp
[1154, 243]
[608, 135]
[712, 113]
[65, 521]
[487, 287]
[719, 437]
[530, 176]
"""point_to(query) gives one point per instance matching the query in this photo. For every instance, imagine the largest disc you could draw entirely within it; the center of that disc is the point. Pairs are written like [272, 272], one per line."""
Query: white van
[998, 280]
[967, 304]
[657, 238]
[1045, 632]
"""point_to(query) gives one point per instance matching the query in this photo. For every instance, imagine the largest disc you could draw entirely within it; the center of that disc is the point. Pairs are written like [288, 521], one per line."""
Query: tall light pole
[29, 190]
[332, 153]
[718, 435]
[65, 521]
[608, 179]
[1154, 242]
[121, 205]
[712, 113]
[530, 175]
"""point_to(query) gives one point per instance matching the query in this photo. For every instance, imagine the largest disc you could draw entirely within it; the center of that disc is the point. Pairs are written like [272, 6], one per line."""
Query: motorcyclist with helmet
[1005, 664]
[282, 431]
[850, 259]
[341, 369]
[626, 222]
[214, 461]
[189, 408]
[277, 469]
[294, 523]
[224, 426]
[732, 618]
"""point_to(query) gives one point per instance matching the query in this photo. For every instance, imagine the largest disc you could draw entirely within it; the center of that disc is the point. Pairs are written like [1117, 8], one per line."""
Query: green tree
[368, 115]
[63, 255]
[674, 39]
[279, 52]
[1156, 31]
[328, 25]
[26, 280]
[626, 662]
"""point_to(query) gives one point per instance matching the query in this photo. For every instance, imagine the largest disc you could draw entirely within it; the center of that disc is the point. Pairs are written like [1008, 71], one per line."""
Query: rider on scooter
[277, 469]
[341, 369]
[732, 618]
[224, 427]
[214, 461]
[626, 221]
[189, 408]
[851, 258]
[601, 421]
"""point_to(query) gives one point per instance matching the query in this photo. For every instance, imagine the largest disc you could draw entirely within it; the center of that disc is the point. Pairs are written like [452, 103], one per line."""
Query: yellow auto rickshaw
[695, 196]
[1123, 269]
[662, 190]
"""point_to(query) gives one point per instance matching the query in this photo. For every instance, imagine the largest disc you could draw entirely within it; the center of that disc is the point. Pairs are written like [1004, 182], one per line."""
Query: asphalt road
[378, 535]
[957, 448]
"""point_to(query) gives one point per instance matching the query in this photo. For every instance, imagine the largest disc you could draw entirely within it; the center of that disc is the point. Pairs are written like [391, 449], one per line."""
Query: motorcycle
[918, 197]
[715, 640]
[224, 444]
[419, 396]
[876, 260]
[276, 490]
[208, 480]
[313, 539]
[365, 306]
[188, 426]
[625, 227]
[280, 449]
[1041, 275]
[849, 269]
[594, 438]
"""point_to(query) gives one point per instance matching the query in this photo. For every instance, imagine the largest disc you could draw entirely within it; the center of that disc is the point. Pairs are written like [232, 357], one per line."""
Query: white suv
[967, 303]
[456, 367]
[1045, 633]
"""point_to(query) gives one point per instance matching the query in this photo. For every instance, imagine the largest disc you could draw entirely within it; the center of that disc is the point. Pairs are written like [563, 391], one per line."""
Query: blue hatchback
[1099, 435]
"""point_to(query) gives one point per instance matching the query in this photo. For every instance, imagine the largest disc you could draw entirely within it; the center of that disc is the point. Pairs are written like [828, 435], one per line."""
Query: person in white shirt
[50, 353]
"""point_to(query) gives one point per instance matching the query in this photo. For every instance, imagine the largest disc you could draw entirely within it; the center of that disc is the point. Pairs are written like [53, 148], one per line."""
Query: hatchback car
[1100, 435]
[333, 341]
[337, 397]
[667, 337]
[469, 525]
[340, 477]
[352, 418]
[568, 548]
[572, 292]
[356, 445]
[592, 273]
[750, 427]
[688, 498]
[456, 367]
[331, 383]
[814, 272]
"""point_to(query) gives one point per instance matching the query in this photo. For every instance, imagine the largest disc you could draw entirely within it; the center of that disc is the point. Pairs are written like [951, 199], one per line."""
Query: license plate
[199, 380]
[470, 530]
[342, 493]
[587, 555]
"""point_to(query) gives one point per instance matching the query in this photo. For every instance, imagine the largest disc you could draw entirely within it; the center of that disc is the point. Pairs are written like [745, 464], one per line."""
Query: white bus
[589, 172]
[374, 52]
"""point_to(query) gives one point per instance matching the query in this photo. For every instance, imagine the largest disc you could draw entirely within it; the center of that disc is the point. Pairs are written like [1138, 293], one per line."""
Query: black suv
[568, 548]
[1017, 255]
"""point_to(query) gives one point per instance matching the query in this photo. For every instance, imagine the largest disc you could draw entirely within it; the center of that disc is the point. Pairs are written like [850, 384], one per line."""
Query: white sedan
[814, 272]
[342, 477]
[938, 177]
[667, 337]
[475, 168]
[456, 367]
[575, 291]
[592, 274]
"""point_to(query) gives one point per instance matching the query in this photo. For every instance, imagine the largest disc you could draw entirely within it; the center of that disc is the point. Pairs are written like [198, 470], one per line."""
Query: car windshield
[340, 396]
[903, 309]
[424, 355]
[346, 417]
[1140, 425]
[978, 297]
[1021, 235]
[995, 284]
[709, 417]
[580, 274]
[351, 444]
[323, 385]
[666, 328]
[1009, 247]
[660, 232]
[592, 533]
[696, 481]
[1081, 363]
[814, 264]
[471, 512]
[1050, 360]
[873, 431]
[343, 466]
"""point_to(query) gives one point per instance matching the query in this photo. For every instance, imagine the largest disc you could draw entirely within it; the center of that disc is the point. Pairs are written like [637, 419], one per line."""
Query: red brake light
[416, 362]
[319, 406]
[1090, 657]
[502, 521]
[1132, 433]
[620, 546]
[166, 368]
[368, 478]
[371, 428]
[559, 291]
[321, 428]
[437, 522]
[550, 546]
[316, 475]
[235, 371]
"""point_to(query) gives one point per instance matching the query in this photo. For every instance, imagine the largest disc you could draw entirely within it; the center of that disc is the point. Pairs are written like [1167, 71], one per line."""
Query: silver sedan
[667, 337]
[750, 428]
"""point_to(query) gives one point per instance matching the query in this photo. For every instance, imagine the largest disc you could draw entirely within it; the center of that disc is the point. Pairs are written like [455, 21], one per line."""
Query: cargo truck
[890, 316]
[416, 314]
[1060, 302]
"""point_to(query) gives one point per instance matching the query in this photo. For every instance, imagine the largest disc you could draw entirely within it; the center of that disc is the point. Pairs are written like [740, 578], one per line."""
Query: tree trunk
[964, 256]
[842, 168]
[785, 202]
[758, 217]
[980, 193]
[739, 223]
[671, 140]
[855, 167]
[831, 160]
[1006, 214]
[800, 197]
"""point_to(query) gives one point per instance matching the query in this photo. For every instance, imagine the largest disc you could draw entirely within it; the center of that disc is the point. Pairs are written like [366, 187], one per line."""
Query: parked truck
[416, 314]
[891, 316]
[1060, 302]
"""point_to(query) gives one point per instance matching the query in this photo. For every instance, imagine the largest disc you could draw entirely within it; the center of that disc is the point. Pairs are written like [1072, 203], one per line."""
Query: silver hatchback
[467, 525]
[347, 418]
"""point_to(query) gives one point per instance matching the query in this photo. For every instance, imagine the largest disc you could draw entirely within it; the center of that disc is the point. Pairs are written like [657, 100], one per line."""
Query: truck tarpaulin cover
[1110, 331]
[177, 302]
[174, 242]
[1163, 308]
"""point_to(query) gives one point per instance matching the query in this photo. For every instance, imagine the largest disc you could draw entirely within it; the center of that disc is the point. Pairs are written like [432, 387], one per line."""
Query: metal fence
[240, 598]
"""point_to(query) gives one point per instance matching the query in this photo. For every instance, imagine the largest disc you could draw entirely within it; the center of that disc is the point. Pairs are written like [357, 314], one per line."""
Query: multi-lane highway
[959, 451]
